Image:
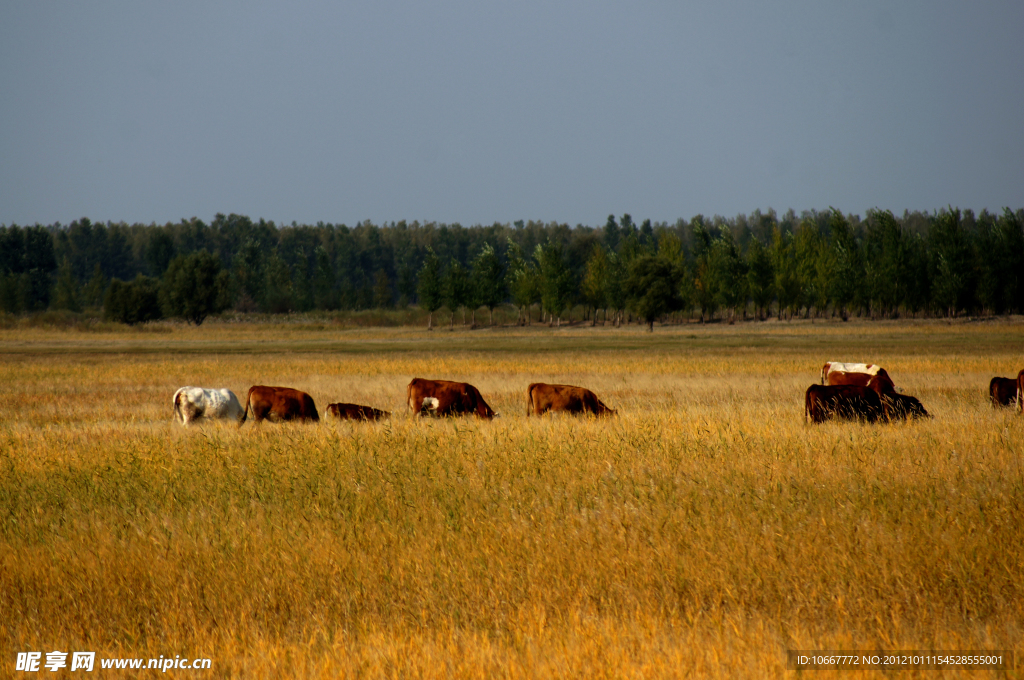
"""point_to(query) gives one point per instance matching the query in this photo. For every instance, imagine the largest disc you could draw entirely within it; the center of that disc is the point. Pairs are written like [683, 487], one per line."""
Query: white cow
[193, 403]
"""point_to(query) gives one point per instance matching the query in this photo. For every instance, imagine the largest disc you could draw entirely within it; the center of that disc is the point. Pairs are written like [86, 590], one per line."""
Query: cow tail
[408, 398]
[529, 399]
[245, 412]
[177, 404]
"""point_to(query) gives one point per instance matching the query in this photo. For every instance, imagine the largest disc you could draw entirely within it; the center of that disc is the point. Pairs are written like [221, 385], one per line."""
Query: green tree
[96, 288]
[65, 292]
[1009, 260]
[812, 266]
[760, 277]
[458, 291]
[612, 234]
[999, 261]
[430, 288]
[325, 289]
[194, 286]
[39, 261]
[11, 293]
[839, 266]
[250, 275]
[595, 277]
[787, 280]
[886, 269]
[728, 274]
[133, 302]
[705, 274]
[159, 251]
[523, 282]
[556, 280]
[919, 283]
[670, 248]
[488, 277]
[406, 280]
[952, 281]
[278, 287]
[629, 244]
[302, 287]
[987, 291]
[615, 286]
[652, 285]
[382, 296]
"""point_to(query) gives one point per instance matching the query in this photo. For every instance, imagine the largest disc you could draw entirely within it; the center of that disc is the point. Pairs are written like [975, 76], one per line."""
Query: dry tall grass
[703, 532]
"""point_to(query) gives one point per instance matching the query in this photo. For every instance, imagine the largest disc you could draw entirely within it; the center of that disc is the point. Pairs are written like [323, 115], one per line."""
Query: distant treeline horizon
[944, 263]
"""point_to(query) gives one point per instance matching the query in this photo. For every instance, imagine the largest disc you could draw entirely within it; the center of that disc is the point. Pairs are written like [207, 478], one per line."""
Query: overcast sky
[480, 112]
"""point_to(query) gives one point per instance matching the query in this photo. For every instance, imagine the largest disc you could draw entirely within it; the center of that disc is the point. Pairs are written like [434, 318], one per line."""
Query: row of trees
[945, 263]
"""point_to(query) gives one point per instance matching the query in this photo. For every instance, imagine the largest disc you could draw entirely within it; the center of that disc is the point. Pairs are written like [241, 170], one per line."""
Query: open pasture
[702, 532]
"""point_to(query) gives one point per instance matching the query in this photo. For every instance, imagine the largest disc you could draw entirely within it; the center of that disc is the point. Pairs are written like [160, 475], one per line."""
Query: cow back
[862, 375]
[355, 412]
[279, 403]
[542, 397]
[453, 398]
[192, 403]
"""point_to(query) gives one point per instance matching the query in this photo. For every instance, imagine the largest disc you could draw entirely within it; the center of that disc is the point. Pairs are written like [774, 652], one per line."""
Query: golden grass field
[701, 533]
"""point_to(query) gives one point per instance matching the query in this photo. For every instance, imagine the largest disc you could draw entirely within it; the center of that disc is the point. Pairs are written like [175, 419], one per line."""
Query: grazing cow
[903, 406]
[355, 412]
[849, 402]
[541, 398]
[278, 404]
[865, 375]
[1020, 391]
[1002, 391]
[446, 398]
[193, 403]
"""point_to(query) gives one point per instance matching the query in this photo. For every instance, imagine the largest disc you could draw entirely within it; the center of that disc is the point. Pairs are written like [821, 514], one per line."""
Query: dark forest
[818, 263]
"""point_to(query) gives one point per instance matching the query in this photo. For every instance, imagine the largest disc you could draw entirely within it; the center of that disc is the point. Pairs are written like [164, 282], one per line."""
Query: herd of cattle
[425, 397]
[847, 392]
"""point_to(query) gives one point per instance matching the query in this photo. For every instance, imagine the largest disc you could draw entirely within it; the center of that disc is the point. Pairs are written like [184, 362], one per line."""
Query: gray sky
[476, 112]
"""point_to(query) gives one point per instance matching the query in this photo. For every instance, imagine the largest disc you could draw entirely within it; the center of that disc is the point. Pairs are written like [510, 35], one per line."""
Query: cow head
[914, 408]
[904, 406]
[430, 406]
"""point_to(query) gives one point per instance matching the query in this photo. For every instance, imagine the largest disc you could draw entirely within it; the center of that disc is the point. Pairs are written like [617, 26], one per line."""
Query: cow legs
[190, 413]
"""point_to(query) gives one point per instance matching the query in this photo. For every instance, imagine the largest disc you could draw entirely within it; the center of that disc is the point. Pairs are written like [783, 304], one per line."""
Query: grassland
[701, 533]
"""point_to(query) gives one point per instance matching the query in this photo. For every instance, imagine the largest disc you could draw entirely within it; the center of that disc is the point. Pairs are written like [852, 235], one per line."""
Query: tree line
[945, 263]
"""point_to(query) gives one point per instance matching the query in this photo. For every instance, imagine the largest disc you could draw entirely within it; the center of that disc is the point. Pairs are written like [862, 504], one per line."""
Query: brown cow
[849, 402]
[541, 398]
[1020, 391]
[865, 375]
[1002, 391]
[355, 412]
[903, 406]
[446, 398]
[278, 404]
